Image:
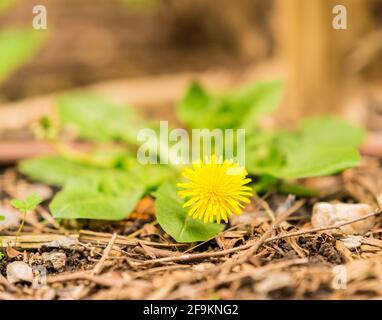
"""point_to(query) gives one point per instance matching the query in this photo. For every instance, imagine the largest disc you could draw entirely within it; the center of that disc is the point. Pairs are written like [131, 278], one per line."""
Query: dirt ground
[271, 251]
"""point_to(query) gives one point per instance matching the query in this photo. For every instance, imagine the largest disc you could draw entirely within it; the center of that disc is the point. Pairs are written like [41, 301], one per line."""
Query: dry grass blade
[314, 230]
[104, 238]
[99, 266]
[36, 241]
[255, 244]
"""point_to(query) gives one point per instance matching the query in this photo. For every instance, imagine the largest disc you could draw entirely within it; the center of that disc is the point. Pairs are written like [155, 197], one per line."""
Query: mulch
[271, 251]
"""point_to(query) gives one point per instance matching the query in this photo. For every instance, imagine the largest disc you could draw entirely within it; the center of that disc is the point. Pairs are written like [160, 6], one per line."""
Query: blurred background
[146, 51]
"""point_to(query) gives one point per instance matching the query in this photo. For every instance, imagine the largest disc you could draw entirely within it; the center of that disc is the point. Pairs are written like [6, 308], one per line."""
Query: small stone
[275, 281]
[326, 214]
[55, 259]
[352, 242]
[10, 218]
[202, 267]
[19, 271]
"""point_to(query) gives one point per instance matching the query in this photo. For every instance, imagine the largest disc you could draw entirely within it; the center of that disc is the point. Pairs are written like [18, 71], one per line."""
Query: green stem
[21, 226]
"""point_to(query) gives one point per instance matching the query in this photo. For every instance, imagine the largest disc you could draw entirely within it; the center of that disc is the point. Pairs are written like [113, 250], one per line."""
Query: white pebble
[19, 271]
[352, 242]
[326, 214]
[10, 218]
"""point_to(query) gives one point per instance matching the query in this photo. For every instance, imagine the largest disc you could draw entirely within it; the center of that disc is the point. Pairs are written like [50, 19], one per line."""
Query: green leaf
[16, 48]
[173, 218]
[259, 99]
[194, 106]
[152, 175]
[239, 109]
[263, 155]
[321, 146]
[54, 170]
[29, 204]
[332, 131]
[97, 197]
[265, 183]
[98, 119]
[300, 191]
[2, 218]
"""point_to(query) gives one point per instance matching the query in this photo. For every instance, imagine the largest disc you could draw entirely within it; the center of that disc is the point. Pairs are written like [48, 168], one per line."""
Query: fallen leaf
[12, 253]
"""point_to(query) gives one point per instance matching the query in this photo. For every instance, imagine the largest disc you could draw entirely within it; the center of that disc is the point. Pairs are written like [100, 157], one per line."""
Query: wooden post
[314, 52]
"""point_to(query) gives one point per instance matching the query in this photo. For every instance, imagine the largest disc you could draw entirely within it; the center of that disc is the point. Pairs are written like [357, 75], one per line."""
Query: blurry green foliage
[238, 109]
[29, 204]
[107, 183]
[95, 118]
[54, 170]
[17, 46]
[108, 196]
[5, 4]
[321, 146]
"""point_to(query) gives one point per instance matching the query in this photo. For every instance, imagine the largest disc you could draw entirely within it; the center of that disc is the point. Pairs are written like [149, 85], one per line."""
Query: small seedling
[1, 254]
[24, 206]
[46, 128]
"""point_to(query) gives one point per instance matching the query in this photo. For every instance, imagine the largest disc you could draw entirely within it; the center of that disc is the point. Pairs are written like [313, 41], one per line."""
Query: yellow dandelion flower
[215, 189]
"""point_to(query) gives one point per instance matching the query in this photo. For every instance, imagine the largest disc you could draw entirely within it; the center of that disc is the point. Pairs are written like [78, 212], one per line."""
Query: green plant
[320, 146]
[175, 221]
[25, 206]
[237, 109]
[106, 182]
[90, 198]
